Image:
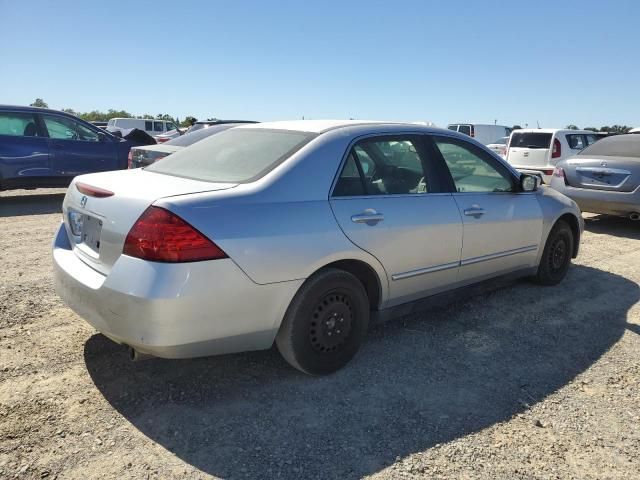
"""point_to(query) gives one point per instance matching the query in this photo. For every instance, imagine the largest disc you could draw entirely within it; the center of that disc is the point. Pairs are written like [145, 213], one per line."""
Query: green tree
[572, 127]
[39, 103]
[591, 129]
[188, 121]
[70, 111]
[620, 129]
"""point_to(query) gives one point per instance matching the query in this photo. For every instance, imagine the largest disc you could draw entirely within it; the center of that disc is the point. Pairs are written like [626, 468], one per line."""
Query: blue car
[47, 148]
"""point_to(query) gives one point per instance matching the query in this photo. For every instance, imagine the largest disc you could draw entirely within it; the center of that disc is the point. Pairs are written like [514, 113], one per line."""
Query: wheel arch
[574, 224]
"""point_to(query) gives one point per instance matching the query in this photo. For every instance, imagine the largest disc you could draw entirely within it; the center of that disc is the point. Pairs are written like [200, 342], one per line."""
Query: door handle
[369, 216]
[474, 212]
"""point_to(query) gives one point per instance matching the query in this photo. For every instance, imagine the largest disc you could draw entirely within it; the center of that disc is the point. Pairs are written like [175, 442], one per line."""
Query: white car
[537, 151]
[499, 146]
[149, 125]
[484, 134]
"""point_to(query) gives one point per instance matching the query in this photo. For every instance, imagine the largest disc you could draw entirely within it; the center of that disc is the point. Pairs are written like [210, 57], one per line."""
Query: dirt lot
[524, 382]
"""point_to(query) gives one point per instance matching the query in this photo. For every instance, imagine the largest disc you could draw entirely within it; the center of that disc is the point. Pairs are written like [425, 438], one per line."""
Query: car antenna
[538, 123]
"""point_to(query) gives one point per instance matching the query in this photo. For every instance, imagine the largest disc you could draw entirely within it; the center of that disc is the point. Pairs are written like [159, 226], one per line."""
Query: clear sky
[517, 62]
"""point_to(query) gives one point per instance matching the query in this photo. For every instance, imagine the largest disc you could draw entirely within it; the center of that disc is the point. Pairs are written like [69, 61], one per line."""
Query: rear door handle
[474, 212]
[369, 216]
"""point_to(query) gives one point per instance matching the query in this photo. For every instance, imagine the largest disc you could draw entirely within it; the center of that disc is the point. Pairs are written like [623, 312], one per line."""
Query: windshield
[618, 146]
[530, 140]
[193, 137]
[235, 155]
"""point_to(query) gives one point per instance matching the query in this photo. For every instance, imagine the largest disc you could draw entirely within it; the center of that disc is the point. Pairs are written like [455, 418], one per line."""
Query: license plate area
[87, 230]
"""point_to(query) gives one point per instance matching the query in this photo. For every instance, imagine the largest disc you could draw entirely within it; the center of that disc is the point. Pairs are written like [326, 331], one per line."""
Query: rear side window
[18, 124]
[158, 126]
[466, 129]
[148, 126]
[384, 166]
[453, 127]
[530, 140]
[233, 156]
[575, 141]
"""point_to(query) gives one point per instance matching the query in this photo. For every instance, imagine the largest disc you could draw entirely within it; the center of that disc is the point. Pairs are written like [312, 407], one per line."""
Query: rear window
[466, 129]
[618, 146]
[233, 156]
[193, 137]
[530, 140]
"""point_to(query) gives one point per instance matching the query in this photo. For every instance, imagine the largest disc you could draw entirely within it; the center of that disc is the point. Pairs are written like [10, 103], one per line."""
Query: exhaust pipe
[635, 216]
[137, 356]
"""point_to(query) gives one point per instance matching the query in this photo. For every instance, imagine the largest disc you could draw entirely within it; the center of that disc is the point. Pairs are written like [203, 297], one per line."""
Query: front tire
[325, 323]
[556, 257]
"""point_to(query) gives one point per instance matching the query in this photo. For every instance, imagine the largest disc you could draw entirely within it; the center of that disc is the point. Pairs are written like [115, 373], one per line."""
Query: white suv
[536, 151]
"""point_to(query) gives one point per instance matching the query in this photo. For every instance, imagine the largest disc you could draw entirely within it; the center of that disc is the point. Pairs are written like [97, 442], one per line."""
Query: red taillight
[557, 149]
[162, 139]
[161, 236]
[558, 172]
[130, 159]
[92, 191]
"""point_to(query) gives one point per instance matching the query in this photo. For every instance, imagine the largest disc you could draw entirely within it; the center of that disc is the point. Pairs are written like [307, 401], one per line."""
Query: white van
[151, 126]
[485, 134]
[536, 151]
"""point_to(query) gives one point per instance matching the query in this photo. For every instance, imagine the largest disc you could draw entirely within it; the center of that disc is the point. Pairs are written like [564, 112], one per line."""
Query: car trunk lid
[603, 173]
[100, 209]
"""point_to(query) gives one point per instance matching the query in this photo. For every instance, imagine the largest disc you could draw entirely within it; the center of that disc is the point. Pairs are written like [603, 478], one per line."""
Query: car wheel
[325, 323]
[556, 257]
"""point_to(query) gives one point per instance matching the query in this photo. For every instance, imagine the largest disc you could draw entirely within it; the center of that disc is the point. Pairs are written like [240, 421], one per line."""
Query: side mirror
[529, 183]
[102, 137]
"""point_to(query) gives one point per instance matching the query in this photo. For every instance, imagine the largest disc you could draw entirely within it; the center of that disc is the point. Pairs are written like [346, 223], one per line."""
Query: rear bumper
[600, 201]
[172, 310]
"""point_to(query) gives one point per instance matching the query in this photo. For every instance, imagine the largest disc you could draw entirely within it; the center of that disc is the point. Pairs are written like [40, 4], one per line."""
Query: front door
[390, 201]
[76, 149]
[502, 226]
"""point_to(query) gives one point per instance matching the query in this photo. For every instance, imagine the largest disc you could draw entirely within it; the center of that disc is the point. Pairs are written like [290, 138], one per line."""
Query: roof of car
[319, 126]
[23, 108]
[549, 130]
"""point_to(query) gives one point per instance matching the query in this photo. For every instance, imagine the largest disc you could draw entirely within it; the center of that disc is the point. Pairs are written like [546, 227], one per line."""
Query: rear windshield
[618, 146]
[233, 156]
[530, 140]
[193, 137]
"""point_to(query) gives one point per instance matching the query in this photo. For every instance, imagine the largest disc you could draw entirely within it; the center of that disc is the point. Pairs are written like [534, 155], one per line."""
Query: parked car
[634, 130]
[604, 177]
[143, 156]
[499, 146]
[149, 125]
[47, 148]
[537, 151]
[98, 124]
[484, 134]
[299, 232]
[208, 123]
[170, 135]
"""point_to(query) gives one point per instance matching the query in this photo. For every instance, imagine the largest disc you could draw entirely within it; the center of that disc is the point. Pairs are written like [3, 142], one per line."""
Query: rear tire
[556, 257]
[325, 323]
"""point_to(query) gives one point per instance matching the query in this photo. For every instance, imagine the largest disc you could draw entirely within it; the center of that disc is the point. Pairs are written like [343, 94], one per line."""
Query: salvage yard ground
[524, 382]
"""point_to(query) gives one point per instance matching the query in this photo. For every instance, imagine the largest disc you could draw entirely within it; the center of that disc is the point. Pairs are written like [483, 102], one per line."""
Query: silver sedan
[300, 233]
[604, 177]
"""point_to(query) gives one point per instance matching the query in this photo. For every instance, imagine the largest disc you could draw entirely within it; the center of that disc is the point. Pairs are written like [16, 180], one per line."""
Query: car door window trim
[423, 271]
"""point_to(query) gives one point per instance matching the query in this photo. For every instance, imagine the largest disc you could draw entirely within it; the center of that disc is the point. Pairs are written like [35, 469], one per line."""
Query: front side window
[171, 126]
[62, 128]
[383, 166]
[18, 124]
[472, 169]
[233, 156]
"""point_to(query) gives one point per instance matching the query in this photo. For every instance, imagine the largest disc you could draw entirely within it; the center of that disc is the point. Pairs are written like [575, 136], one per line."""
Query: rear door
[76, 148]
[502, 227]
[392, 201]
[529, 149]
[24, 153]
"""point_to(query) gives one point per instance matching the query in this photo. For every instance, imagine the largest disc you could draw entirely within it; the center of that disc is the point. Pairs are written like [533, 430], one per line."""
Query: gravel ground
[524, 382]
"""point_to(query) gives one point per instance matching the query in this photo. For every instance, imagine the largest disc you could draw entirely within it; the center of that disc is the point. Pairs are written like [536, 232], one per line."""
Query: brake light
[130, 159]
[92, 191]
[161, 236]
[473, 131]
[162, 139]
[558, 172]
[557, 149]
